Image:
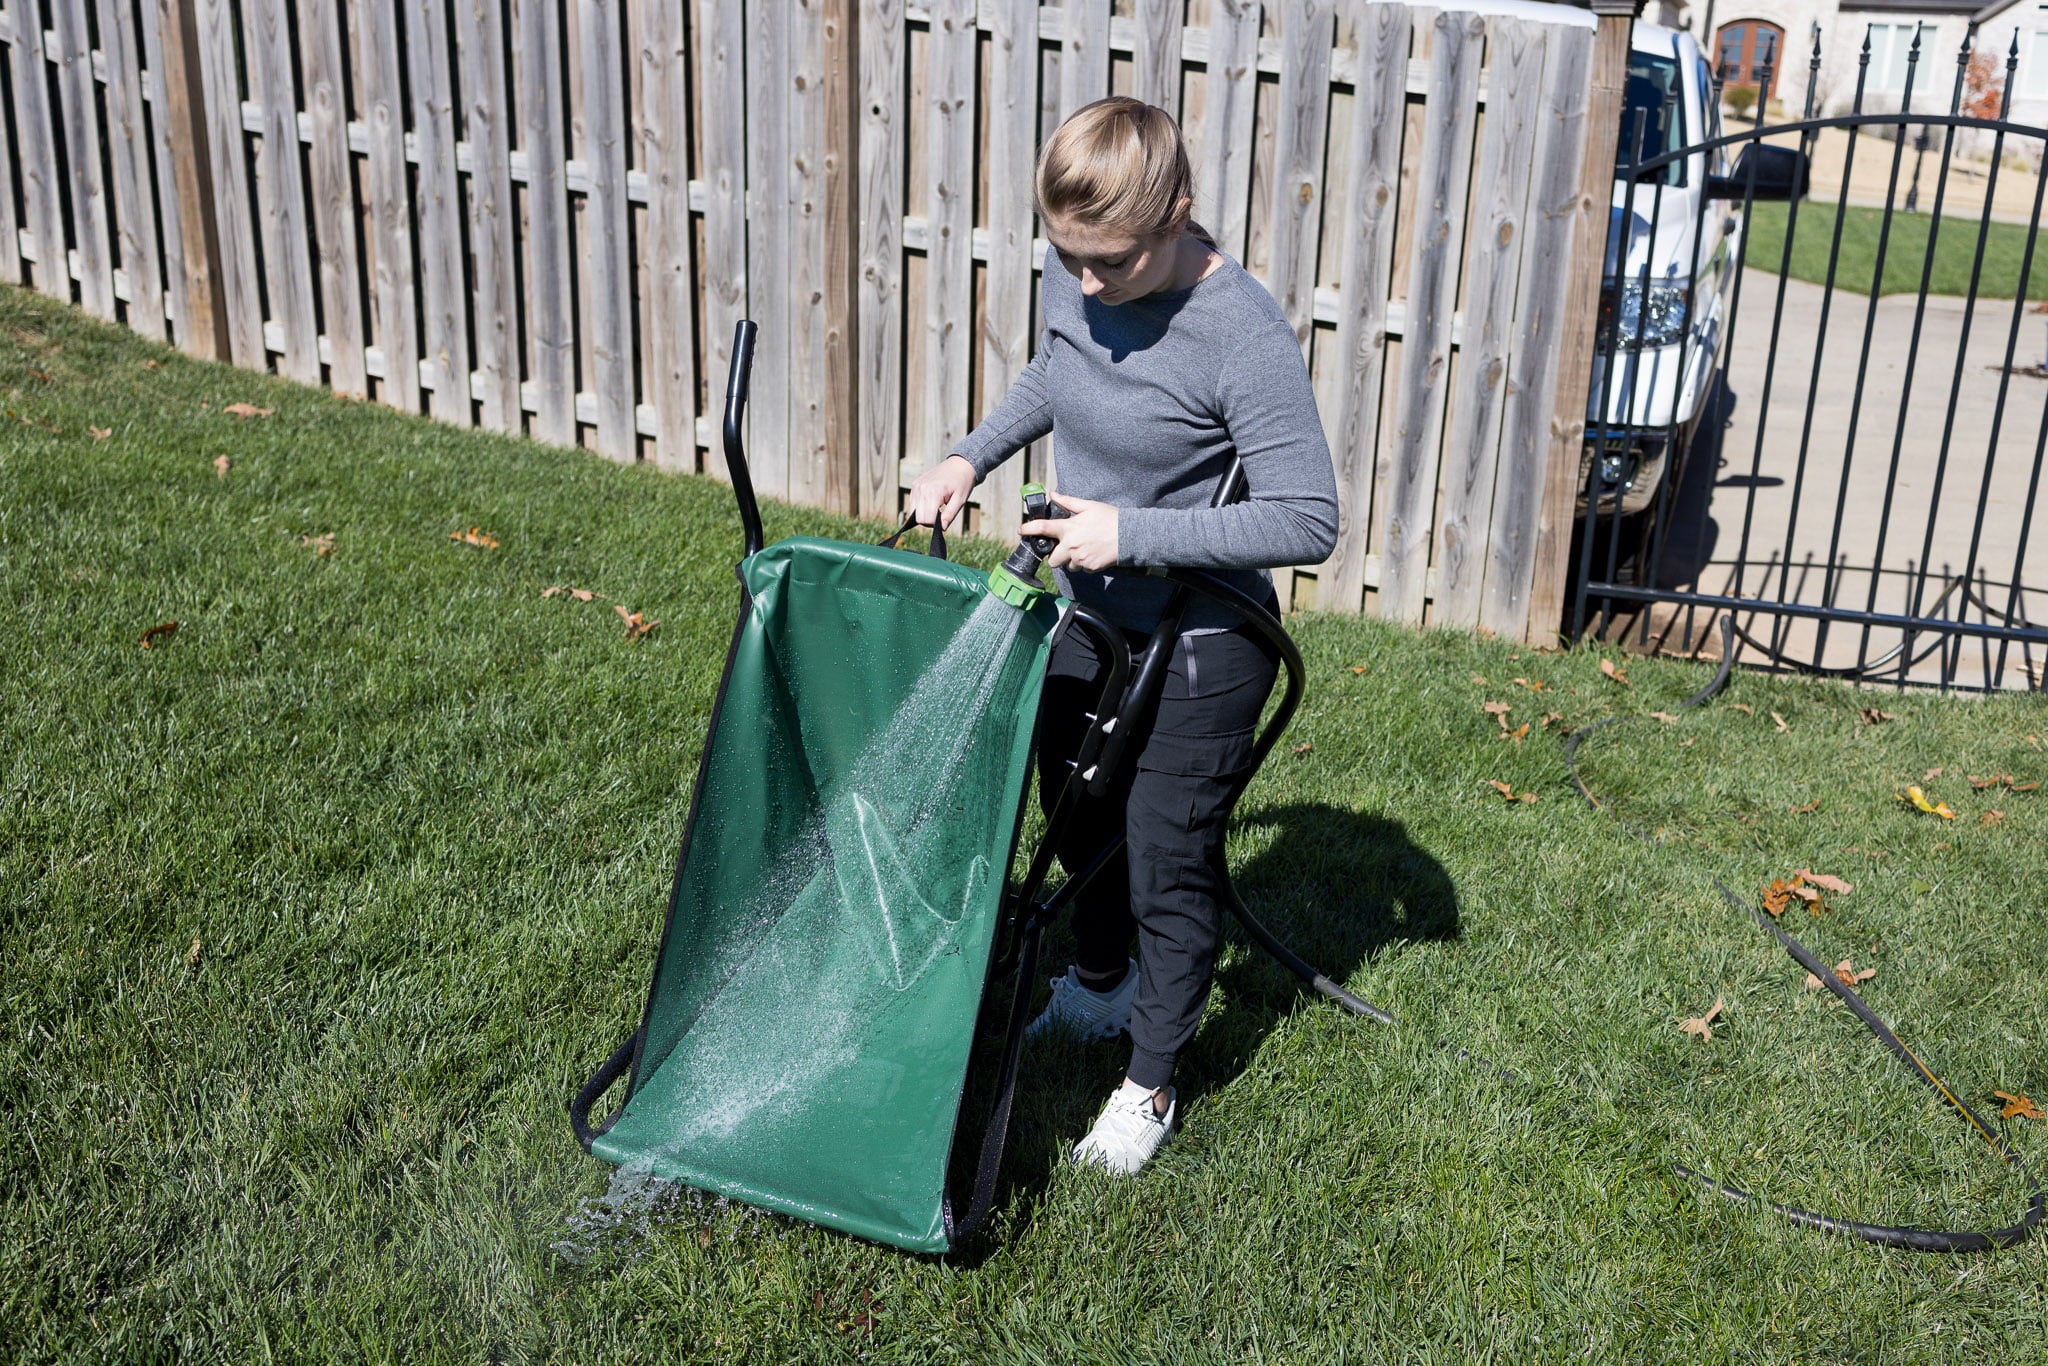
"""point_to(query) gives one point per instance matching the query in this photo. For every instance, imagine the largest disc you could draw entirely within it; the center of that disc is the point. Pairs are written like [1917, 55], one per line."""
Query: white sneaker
[1128, 1131]
[1079, 1013]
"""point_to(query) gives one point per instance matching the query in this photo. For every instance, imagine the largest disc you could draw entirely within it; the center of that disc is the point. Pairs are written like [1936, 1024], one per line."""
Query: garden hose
[1919, 1239]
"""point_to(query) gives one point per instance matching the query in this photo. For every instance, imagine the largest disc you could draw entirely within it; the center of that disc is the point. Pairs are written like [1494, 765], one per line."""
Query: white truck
[1674, 245]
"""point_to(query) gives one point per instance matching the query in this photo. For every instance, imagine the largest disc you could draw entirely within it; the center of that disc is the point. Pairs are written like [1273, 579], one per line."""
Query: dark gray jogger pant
[1171, 804]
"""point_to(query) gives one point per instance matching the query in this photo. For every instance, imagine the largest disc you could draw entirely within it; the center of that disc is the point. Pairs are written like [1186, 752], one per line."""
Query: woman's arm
[1024, 415]
[1269, 408]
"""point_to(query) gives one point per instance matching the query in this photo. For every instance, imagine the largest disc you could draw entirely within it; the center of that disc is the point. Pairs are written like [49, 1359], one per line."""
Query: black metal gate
[1820, 400]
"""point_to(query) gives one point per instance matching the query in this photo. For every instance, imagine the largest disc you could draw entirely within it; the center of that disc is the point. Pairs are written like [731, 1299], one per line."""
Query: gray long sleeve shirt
[1148, 400]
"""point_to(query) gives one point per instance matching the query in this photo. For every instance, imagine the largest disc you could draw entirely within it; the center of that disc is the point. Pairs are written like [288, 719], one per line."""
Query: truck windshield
[1654, 88]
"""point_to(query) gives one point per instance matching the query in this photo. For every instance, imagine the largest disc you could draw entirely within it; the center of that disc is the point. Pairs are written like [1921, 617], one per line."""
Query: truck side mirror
[1780, 173]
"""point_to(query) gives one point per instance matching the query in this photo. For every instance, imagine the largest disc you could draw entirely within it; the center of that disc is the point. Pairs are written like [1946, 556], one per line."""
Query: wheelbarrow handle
[735, 442]
[600, 1081]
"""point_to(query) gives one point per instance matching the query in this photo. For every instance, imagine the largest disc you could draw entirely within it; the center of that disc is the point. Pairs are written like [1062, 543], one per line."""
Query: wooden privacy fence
[545, 216]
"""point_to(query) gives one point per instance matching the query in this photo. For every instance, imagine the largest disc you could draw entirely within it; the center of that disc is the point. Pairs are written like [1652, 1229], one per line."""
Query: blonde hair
[1119, 164]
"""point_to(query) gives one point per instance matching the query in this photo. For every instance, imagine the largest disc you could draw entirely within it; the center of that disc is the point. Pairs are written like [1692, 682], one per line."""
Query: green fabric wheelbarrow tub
[805, 1042]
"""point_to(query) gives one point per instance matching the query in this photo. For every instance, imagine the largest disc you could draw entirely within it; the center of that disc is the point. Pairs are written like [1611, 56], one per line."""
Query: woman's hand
[940, 492]
[1087, 540]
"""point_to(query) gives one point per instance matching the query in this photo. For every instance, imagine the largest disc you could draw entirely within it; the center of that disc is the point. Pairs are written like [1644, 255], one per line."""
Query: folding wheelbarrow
[840, 899]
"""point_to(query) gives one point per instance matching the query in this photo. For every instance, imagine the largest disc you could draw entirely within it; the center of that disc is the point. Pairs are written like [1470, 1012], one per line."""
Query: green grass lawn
[317, 913]
[1905, 255]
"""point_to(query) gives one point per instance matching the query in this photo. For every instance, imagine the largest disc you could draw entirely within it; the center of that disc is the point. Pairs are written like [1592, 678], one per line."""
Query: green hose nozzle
[1015, 580]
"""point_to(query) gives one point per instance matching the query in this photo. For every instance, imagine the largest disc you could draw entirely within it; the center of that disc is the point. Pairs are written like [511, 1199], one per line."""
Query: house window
[1891, 45]
[2034, 65]
[1750, 52]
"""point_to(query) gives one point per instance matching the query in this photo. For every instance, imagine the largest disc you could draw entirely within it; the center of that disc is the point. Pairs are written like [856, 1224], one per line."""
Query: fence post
[204, 332]
[1581, 320]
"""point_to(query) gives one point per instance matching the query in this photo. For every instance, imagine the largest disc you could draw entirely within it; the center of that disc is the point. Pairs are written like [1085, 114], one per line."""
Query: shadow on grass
[1336, 886]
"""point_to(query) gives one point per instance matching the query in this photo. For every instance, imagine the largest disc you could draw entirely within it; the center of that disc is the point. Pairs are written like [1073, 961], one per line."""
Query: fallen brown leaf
[1551, 717]
[100, 433]
[1779, 721]
[1993, 781]
[2018, 1106]
[1508, 793]
[151, 365]
[1992, 818]
[1495, 708]
[1666, 717]
[1871, 716]
[163, 630]
[192, 954]
[323, 544]
[1931, 774]
[1618, 675]
[220, 466]
[1813, 805]
[1744, 708]
[246, 410]
[1533, 685]
[1303, 750]
[1518, 734]
[1824, 881]
[2021, 787]
[474, 536]
[1688, 742]
[1480, 679]
[1777, 896]
[1846, 971]
[1358, 668]
[637, 626]
[1702, 1025]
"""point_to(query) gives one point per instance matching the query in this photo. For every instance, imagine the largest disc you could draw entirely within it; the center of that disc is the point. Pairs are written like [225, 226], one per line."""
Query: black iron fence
[1819, 403]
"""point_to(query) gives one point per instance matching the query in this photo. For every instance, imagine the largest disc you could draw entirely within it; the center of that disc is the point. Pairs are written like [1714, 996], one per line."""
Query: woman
[1160, 359]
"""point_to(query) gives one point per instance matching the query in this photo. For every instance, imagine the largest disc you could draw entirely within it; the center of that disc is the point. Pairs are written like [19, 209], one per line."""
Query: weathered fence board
[1436, 247]
[328, 162]
[1500, 188]
[1159, 38]
[551, 328]
[1308, 27]
[36, 135]
[604, 128]
[1084, 53]
[79, 97]
[282, 206]
[1012, 149]
[949, 246]
[768, 240]
[721, 44]
[1534, 364]
[444, 311]
[882, 120]
[801, 213]
[128, 147]
[394, 308]
[487, 117]
[1372, 179]
[1225, 182]
[672, 312]
[232, 211]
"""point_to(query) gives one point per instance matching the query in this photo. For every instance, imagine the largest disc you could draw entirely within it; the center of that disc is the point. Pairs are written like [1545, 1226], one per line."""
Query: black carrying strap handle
[938, 545]
[600, 1082]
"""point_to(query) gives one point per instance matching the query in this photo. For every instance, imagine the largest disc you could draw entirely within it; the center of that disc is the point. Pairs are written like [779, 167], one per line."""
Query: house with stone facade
[1769, 44]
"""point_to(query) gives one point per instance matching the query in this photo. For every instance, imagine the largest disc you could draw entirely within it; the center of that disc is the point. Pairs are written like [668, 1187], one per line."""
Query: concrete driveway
[1908, 490]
